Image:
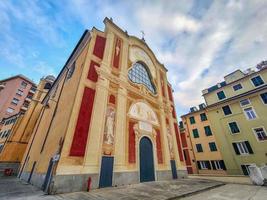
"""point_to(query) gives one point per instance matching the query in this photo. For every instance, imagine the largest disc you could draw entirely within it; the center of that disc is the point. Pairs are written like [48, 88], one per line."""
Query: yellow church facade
[108, 120]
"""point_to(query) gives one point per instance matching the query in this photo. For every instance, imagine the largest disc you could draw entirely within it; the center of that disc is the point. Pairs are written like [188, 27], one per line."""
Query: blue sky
[198, 41]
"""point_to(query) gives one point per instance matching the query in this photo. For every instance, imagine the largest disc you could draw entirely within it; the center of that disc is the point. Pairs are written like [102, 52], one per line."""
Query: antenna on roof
[143, 35]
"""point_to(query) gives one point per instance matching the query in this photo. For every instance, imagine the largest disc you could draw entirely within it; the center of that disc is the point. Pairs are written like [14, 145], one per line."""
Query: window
[250, 113]
[245, 169]
[203, 117]
[192, 120]
[237, 87]
[195, 133]
[23, 84]
[207, 130]
[203, 164]
[260, 134]
[264, 97]
[244, 102]
[227, 110]
[257, 81]
[242, 148]
[1, 147]
[199, 148]
[218, 164]
[19, 92]
[212, 146]
[221, 95]
[140, 74]
[10, 110]
[233, 127]
[15, 101]
[71, 71]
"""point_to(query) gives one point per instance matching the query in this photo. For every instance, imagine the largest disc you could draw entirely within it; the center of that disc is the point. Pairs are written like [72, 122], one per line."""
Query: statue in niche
[170, 144]
[109, 127]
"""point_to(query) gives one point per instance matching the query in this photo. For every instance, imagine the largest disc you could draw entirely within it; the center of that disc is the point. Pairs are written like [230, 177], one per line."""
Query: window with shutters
[245, 169]
[212, 146]
[218, 165]
[203, 117]
[234, 128]
[207, 130]
[192, 120]
[205, 164]
[221, 95]
[260, 134]
[195, 133]
[250, 113]
[226, 110]
[199, 148]
[242, 148]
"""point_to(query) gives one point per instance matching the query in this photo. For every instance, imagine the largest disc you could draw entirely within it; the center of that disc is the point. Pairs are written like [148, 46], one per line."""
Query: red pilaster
[159, 150]
[180, 151]
[99, 47]
[131, 143]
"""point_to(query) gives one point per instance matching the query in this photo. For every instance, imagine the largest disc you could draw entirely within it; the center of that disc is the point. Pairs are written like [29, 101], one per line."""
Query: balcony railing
[32, 90]
[2, 86]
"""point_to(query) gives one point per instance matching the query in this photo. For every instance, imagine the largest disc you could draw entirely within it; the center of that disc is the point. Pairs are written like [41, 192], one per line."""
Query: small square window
[264, 97]
[237, 87]
[203, 117]
[257, 81]
[233, 127]
[10, 110]
[221, 95]
[199, 148]
[244, 102]
[212, 146]
[192, 120]
[227, 110]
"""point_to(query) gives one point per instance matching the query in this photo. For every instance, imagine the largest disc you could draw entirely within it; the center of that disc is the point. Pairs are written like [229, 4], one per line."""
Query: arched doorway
[147, 172]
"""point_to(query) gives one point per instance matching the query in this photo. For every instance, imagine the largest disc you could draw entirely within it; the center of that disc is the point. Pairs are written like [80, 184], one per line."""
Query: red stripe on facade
[180, 151]
[173, 112]
[92, 74]
[170, 93]
[131, 143]
[189, 170]
[183, 138]
[99, 47]
[159, 150]
[117, 53]
[83, 123]
[187, 156]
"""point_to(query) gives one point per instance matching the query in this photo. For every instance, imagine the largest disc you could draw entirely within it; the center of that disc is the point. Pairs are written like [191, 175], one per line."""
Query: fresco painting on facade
[94, 131]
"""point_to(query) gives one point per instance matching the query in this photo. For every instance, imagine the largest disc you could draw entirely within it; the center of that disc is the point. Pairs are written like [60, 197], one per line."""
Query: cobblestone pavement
[231, 192]
[184, 189]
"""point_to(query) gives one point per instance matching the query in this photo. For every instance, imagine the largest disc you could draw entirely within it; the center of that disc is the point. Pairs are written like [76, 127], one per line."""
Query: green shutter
[195, 133]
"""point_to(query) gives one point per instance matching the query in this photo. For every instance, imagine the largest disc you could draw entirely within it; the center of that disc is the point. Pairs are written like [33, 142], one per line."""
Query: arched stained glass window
[140, 74]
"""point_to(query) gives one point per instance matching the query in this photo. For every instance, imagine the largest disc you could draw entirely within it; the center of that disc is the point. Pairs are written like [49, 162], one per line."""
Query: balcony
[24, 108]
[32, 90]
[28, 99]
[2, 86]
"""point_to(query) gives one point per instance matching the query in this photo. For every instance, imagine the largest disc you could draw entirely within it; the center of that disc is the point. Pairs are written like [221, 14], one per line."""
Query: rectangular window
[212, 146]
[260, 134]
[221, 95]
[15, 101]
[245, 169]
[227, 110]
[1, 147]
[244, 102]
[237, 87]
[264, 97]
[19, 92]
[10, 110]
[23, 84]
[218, 164]
[205, 164]
[207, 130]
[203, 117]
[192, 120]
[234, 128]
[242, 148]
[195, 133]
[257, 81]
[250, 113]
[199, 148]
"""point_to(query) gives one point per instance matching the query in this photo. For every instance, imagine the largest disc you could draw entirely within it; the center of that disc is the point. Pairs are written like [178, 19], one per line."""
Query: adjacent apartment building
[16, 130]
[237, 112]
[202, 146]
[16, 93]
[109, 119]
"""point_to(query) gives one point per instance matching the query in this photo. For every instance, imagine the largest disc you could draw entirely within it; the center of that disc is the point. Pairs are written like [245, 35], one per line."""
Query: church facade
[108, 120]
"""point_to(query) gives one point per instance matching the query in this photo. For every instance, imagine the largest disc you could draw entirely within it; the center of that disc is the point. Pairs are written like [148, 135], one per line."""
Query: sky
[198, 41]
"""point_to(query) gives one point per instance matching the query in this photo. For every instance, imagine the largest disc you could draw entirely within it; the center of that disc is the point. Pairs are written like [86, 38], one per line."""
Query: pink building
[15, 95]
